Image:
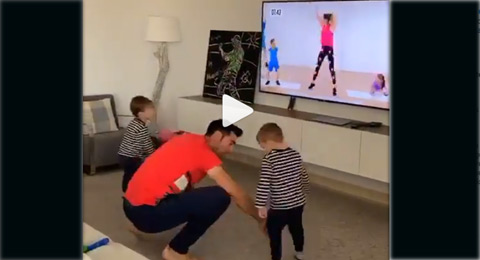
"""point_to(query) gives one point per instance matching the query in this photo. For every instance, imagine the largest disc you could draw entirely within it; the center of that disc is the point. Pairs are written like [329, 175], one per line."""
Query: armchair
[101, 149]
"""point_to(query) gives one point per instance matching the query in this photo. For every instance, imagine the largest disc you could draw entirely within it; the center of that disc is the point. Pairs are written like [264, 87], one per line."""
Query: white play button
[233, 110]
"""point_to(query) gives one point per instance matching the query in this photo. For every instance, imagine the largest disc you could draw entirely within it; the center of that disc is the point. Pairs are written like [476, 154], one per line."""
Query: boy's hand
[262, 213]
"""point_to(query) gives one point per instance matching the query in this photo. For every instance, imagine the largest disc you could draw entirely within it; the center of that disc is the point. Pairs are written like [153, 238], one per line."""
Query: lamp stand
[162, 55]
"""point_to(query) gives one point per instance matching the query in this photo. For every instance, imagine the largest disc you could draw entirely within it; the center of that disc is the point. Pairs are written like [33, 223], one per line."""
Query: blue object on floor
[99, 243]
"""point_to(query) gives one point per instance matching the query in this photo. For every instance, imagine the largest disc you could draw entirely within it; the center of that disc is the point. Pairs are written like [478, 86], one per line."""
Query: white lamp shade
[162, 29]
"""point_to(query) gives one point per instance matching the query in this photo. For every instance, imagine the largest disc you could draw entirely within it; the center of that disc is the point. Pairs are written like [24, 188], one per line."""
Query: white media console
[363, 152]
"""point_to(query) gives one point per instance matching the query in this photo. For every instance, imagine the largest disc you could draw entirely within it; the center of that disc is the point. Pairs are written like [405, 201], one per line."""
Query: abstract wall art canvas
[232, 64]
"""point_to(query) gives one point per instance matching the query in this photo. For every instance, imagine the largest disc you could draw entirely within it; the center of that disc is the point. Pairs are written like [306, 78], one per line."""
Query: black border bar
[434, 136]
[41, 91]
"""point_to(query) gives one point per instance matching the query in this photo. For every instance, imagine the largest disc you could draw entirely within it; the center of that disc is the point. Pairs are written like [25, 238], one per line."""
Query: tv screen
[332, 51]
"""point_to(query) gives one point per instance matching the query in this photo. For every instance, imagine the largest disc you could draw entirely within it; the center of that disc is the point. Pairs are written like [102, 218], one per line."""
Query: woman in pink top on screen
[328, 24]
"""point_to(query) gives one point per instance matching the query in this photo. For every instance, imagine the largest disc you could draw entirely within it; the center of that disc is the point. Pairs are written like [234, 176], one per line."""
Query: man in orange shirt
[161, 196]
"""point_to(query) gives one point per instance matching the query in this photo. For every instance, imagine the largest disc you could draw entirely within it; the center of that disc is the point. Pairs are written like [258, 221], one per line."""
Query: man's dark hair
[138, 104]
[217, 125]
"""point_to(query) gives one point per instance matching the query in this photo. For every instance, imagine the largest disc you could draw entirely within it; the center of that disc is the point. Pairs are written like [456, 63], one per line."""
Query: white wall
[117, 60]
[361, 41]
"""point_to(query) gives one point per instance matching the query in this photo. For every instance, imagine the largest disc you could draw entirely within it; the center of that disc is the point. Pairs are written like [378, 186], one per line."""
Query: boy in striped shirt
[136, 143]
[283, 186]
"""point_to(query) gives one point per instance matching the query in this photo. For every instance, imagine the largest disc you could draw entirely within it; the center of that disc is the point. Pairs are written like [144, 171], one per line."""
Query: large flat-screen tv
[333, 51]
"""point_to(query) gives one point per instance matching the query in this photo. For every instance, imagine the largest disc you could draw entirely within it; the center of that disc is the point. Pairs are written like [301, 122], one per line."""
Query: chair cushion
[98, 117]
[112, 251]
[115, 251]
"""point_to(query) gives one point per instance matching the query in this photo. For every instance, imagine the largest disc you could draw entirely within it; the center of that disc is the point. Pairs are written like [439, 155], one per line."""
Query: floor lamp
[162, 30]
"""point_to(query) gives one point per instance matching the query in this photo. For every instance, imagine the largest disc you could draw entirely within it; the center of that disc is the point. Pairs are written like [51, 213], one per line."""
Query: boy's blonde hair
[270, 132]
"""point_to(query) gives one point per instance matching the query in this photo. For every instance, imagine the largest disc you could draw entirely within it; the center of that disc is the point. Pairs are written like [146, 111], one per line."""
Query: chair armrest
[102, 149]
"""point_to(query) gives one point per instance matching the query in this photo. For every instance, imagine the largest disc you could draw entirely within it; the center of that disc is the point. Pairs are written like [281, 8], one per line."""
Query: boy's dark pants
[130, 165]
[276, 221]
[198, 208]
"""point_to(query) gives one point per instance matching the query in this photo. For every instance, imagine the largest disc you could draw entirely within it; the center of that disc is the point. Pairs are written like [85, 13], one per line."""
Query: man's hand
[241, 198]
[262, 213]
[263, 227]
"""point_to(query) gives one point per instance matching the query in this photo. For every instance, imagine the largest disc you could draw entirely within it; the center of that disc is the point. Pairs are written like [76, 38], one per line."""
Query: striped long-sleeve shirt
[283, 180]
[136, 142]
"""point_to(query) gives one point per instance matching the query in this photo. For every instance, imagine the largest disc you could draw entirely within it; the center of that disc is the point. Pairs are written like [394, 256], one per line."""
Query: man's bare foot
[170, 254]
